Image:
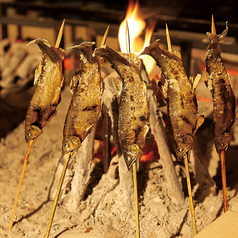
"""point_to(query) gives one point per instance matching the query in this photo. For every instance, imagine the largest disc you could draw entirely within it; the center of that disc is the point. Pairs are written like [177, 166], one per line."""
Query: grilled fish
[133, 122]
[182, 105]
[85, 106]
[47, 93]
[218, 82]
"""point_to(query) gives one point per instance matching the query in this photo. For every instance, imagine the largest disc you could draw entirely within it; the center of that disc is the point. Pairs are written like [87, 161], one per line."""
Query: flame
[148, 60]
[136, 25]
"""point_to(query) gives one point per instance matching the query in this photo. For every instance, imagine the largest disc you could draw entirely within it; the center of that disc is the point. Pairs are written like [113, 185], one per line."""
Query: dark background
[187, 15]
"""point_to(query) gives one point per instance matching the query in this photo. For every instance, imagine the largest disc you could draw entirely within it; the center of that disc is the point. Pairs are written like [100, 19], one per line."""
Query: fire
[136, 25]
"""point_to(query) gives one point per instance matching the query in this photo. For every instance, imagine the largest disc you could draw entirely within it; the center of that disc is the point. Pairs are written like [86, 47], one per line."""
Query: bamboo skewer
[29, 147]
[134, 171]
[223, 175]
[168, 38]
[60, 35]
[190, 193]
[104, 39]
[213, 28]
[136, 200]
[185, 157]
[103, 42]
[68, 156]
[128, 44]
[20, 182]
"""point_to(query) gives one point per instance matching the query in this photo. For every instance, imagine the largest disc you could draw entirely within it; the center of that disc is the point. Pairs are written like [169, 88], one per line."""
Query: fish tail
[150, 48]
[47, 49]
[214, 38]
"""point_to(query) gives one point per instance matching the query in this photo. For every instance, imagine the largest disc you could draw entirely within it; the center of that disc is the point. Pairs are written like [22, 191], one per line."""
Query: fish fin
[208, 81]
[177, 54]
[119, 90]
[206, 78]
[137, 165]
[62, 82]
[236, 116]
[51, 116]
[38, 72]
[74, 83]
[224, 33]
[89, 129]
[196, 81]
[199, 122]
[164, 89]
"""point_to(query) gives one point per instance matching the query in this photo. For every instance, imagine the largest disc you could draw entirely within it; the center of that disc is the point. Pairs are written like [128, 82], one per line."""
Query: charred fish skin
[133, 122]
[85, 106]
[182, 103]
[218, 82]
[48, 82]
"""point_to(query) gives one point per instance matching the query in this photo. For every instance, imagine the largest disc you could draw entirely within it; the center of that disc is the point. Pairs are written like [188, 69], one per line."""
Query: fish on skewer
[133, 122]
[182, 105]
[48, 83]
[85, 105]
[84, 109]
[218, 82]
[180, 96]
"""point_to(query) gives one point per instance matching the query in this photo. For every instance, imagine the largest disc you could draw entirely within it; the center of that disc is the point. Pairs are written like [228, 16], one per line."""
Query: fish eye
[29, 134]
[180, 149]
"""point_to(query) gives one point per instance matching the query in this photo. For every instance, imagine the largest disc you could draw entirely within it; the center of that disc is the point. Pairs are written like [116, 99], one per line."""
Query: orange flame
[136, 26]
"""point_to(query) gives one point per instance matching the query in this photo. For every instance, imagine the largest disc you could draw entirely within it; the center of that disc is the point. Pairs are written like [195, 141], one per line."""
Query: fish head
[32, 132]
[184, 144]
[71, 144]
[132, 153]
[222, 141]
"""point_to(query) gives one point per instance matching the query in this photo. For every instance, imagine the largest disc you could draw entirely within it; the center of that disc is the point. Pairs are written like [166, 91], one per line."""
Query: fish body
[133, 122]
[85, 104]
[218, 82]
[182, 105]
[47, 93]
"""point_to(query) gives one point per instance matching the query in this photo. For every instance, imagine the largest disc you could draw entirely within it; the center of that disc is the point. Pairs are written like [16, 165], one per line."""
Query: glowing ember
[136, 26]
[151, 155]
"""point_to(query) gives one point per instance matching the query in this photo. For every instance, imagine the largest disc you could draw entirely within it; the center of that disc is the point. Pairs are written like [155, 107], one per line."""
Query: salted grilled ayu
[47, 93]
[85, 106]
[182, 105]
[218, 82]
[133, 123]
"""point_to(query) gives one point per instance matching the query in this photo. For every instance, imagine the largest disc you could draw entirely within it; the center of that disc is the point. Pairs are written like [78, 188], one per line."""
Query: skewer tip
[213, 28]
[168, 38]
[128, 47]
[104, 39]
[60, 35]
